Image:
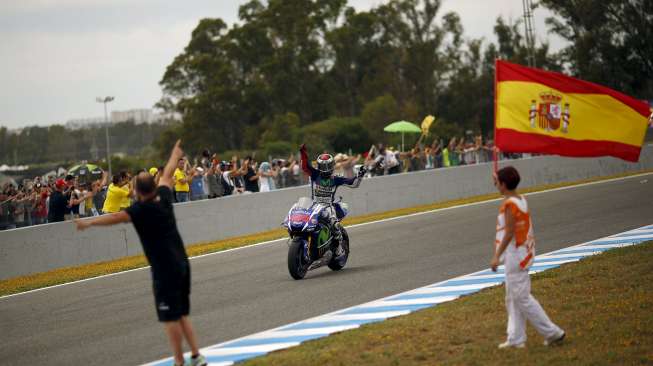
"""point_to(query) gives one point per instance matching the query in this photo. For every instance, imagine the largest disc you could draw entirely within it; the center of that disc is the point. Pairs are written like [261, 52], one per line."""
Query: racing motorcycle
[311, 243]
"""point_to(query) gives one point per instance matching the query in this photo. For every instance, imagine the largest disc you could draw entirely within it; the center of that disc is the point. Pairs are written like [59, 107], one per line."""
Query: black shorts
[172, 297]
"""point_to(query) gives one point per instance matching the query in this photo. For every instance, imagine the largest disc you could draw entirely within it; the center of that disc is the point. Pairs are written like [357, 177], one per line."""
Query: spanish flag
[545, 112]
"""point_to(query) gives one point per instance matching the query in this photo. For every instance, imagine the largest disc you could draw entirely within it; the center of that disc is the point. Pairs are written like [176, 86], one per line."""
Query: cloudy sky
[57, 56]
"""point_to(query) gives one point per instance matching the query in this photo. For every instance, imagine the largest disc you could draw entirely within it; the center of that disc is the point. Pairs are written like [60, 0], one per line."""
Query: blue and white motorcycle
[311, 244]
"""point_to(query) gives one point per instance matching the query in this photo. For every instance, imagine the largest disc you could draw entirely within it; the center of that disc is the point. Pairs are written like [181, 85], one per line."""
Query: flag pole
[495, 159]
[495, 150]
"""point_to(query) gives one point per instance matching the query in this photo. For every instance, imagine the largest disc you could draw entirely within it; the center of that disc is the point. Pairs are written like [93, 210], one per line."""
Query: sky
[57, 56]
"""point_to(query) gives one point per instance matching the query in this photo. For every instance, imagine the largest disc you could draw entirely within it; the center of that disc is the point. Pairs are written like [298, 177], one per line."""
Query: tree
[336, 135]
[379, 113]
[609, 41]
[201, 84]
[60, 144]
[281, 128]
[319, 60]
[468, 99]
[227, 80]
[512, 47]
[465, 101]
[357, 52]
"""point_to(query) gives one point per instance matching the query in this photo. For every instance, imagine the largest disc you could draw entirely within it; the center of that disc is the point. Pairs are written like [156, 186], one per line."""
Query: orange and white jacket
[520, 252]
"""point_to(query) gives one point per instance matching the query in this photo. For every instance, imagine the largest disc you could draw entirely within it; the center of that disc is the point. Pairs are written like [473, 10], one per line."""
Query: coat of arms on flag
[549, 114]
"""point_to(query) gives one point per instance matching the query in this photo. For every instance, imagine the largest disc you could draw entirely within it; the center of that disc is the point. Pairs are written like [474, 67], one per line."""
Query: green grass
[604, 303]
[70, 274]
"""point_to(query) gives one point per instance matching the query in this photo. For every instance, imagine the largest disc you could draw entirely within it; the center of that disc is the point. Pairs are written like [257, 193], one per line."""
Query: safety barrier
[45, 247]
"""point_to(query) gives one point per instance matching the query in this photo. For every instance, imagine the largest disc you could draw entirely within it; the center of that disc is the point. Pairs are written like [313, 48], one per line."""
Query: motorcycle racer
[324, 185]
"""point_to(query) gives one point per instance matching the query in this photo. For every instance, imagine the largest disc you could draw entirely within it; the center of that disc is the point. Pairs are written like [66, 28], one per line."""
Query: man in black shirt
[249, 175]
[58, 206]
[69, 192]
[154, 220]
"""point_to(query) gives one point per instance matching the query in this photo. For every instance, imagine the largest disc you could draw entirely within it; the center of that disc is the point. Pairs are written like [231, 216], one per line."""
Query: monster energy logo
[322, 237]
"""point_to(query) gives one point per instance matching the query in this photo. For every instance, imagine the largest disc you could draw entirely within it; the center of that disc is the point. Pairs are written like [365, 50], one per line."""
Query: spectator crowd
[41, 200]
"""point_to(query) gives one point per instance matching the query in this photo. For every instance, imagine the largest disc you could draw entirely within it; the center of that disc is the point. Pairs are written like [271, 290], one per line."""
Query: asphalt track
[111, 320]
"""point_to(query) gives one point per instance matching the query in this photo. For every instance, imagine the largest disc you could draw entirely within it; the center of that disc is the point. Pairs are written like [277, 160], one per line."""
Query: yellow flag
[426, 124]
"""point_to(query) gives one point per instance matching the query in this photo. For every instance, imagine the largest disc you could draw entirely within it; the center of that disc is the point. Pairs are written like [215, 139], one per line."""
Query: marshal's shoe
[505, 345]
[555, 340]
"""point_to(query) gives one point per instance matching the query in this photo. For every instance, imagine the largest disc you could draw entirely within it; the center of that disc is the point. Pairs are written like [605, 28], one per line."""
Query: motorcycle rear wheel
[338, 263]
[297, 266]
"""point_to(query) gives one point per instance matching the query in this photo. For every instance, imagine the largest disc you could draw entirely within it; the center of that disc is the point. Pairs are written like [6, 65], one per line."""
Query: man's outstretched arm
[104, 220]
[169, 170]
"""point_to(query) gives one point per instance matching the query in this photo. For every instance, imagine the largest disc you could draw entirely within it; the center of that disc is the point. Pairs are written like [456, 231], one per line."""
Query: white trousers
[522, 306]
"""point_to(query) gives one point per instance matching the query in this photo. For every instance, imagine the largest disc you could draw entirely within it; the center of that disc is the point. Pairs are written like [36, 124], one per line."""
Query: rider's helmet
[326, 164]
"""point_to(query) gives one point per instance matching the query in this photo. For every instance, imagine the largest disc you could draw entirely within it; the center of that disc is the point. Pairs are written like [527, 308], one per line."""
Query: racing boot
[337, 236]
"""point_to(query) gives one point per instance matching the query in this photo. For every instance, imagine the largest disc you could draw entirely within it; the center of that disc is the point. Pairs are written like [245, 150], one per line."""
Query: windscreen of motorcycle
[300, 219]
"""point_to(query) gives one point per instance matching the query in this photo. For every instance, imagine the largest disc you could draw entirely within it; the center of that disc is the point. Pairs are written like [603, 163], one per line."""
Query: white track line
[630, 236]
[302, 332]
[432, 289]
[555, 256]
[364, 316]
[420, 301]
[595, 248]
[266, 348]
[349, 226]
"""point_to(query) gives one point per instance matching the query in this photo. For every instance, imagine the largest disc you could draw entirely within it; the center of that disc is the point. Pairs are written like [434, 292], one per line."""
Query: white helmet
[326, 164]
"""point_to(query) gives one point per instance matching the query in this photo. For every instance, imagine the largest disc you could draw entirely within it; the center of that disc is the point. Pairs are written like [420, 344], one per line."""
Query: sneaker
[198, 361]
[555, 340]
[510, 345]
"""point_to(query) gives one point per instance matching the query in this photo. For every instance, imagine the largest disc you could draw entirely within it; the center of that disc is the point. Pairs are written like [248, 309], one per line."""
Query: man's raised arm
[305, 163]
[169, 170]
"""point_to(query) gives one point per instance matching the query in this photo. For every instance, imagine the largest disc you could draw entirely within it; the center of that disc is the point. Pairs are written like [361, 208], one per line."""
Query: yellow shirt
[115, 197]
[181, 187]
[126, 201]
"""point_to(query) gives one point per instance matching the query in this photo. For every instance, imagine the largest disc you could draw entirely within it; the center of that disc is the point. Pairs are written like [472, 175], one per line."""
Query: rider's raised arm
[348, 182]
[306, 165]
[351, 182]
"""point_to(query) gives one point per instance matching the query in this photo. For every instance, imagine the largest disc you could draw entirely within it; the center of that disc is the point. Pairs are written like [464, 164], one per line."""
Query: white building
[136, 115]
[76, 123]
[139, 116]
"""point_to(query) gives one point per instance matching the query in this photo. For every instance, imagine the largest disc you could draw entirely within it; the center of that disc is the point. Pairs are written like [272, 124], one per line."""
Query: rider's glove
[361, 172]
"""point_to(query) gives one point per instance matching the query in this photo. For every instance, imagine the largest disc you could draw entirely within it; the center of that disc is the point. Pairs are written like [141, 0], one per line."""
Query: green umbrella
[81, 169]
[86, 172]
[403, 127]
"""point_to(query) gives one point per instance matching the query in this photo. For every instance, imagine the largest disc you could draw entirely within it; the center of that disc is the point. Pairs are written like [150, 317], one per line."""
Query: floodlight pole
[104, 101]
[529, 32]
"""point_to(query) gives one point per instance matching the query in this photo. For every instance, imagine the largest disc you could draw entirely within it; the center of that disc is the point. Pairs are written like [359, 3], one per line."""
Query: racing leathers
[323, 190]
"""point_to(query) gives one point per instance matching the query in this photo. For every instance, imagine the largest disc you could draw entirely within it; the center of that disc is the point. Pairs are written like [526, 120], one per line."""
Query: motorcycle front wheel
[297, 265]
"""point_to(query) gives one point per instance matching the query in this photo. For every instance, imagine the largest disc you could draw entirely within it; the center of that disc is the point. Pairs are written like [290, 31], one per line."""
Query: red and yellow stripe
[601, 121]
